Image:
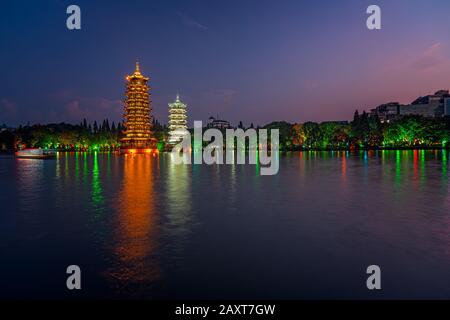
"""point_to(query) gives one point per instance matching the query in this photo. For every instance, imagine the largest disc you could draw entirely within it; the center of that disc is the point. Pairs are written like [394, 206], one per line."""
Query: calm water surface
[142, 227]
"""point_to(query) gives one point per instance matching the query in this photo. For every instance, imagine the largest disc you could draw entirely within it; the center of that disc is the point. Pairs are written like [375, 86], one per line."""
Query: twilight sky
[254, 60]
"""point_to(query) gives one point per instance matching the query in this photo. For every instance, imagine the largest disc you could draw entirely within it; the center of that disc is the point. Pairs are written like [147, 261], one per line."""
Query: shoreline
[3, 153]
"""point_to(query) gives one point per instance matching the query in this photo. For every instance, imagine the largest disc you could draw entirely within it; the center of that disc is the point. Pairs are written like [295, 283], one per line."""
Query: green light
[444, 164]
[398, 160]
[85, 167]
[97, 197]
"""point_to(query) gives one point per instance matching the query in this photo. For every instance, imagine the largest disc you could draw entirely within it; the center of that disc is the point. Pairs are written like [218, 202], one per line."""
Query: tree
[312, 135]
[360, 130]
[284, 133]
[341, 137]
[298, 136]
[327, 130]
[6, 140]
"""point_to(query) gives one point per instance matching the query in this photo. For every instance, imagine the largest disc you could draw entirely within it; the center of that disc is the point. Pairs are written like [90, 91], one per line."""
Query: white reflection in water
[179, 211]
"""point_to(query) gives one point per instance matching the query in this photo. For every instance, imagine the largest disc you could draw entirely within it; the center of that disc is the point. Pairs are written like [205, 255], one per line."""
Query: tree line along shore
[363, 132]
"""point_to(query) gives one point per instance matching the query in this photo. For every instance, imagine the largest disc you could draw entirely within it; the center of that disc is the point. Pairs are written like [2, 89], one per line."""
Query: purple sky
[255, 61]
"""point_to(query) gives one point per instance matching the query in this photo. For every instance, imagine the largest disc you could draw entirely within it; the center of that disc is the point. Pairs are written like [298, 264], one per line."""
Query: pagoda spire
[138, 69]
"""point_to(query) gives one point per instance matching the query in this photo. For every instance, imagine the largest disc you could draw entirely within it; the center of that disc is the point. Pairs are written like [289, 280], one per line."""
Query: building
[387, 112]
[177, 121]
[218, 124]
[431, 106]
[137, 115]
[428, 106]
[447, 106]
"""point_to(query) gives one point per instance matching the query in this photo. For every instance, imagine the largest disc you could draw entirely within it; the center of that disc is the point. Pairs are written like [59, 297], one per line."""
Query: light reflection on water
[178, 219]
[135, 239]
[141, 226]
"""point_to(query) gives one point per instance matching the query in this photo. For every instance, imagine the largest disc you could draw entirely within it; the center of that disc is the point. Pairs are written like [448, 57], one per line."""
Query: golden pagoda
[138, 137]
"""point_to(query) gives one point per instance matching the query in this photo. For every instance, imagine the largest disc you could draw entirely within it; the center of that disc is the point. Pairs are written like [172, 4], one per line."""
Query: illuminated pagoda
[177, 120]
[138, 137]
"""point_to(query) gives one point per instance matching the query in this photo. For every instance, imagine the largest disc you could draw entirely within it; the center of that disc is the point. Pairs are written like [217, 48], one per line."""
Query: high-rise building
[137, 116]
[177, 120]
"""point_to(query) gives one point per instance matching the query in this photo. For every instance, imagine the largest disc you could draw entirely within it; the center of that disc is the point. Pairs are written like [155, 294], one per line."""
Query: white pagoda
[177, 121]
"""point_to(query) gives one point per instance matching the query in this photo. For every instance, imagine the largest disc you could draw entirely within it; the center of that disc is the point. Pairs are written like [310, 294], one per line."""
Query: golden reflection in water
[136, 235]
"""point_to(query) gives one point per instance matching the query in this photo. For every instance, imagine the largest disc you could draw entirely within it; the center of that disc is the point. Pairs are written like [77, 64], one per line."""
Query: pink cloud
[432, 57]
[71, 107]
[93, 108]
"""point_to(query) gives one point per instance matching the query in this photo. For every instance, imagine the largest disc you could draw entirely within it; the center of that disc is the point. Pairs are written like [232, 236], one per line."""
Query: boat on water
[36, 153]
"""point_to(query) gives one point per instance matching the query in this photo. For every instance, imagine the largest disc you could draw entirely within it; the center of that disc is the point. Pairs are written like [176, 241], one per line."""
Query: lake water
[143, 227]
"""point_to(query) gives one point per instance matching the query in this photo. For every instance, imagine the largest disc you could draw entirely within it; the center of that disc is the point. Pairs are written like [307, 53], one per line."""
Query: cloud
[60, 106]
[93, 109]
[432, 57]
[191, 22]
[71, 107]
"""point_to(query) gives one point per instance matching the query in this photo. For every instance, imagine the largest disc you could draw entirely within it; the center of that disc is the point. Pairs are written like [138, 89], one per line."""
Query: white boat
[36, 153]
